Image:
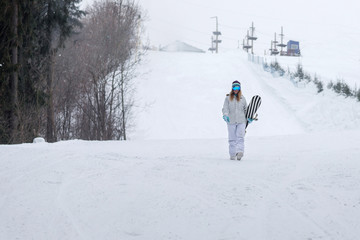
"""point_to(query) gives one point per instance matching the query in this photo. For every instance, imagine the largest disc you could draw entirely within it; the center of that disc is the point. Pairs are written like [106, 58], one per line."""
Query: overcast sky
[307, 21]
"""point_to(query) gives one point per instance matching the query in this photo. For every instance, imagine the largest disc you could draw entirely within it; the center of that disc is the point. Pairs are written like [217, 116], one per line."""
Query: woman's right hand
[226, 118]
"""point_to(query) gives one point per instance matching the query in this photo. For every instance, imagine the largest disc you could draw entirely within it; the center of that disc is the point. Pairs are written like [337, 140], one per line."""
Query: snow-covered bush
[307, 77]
[342, 88]
[266, 66]
[299, 72]
[346, 90]
[319, 84]
[275, 67]
[330, 85]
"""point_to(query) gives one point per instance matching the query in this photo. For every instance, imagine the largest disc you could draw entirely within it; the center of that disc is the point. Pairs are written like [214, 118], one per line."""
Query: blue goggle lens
[236, 88]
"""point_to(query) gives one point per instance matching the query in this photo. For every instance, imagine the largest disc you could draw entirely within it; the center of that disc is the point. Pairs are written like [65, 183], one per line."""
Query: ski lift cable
[184, 27]
[191, 40]
[166, 32]
[238, 28]
[193, 30]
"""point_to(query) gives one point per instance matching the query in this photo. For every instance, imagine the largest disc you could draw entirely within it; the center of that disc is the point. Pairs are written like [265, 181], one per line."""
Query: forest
[66, 73]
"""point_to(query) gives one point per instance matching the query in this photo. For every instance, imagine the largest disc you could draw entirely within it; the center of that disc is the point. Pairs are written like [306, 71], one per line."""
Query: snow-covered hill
[328, 31]
[299, 178]
[186, 92]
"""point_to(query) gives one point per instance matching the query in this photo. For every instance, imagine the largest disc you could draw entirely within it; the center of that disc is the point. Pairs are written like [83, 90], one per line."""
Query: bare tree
[105, 55]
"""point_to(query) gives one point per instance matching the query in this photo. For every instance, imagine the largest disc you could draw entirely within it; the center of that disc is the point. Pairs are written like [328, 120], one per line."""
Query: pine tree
[337, 87]
[299, 72]
[330, 85]
[346, 90]
[25, 47]
[319, 84]
[9, 40]
[60, 19]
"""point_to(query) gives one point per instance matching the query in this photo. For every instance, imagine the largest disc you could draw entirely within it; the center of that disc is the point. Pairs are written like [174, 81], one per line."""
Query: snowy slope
[328, 31]
[287, 187]
[299, 178]
[186, 92]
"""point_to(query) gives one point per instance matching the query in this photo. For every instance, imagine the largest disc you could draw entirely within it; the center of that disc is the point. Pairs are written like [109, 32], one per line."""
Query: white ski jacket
[235, 110]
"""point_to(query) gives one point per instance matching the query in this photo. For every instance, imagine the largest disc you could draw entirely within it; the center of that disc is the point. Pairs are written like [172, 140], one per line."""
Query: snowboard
[252, 108]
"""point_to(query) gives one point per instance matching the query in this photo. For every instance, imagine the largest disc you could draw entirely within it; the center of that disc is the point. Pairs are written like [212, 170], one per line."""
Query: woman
[234, 111]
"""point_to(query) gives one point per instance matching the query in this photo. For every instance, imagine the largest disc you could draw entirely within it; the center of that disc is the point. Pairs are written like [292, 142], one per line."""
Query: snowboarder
[234, 111]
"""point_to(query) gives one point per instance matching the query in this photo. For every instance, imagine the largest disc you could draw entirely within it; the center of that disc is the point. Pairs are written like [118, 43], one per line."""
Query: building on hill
[293, 48]
[179, 46]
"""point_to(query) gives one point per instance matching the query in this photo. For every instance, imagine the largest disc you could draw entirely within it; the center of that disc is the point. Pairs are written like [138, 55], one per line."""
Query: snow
[299, 178]
[186, 92]
[328, 31]
[38, 140]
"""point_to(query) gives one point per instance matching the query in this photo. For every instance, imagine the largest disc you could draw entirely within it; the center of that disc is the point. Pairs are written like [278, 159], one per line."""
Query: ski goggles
[236, 88]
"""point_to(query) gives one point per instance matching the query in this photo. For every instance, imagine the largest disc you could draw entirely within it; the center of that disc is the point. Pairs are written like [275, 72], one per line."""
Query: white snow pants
[236, 138]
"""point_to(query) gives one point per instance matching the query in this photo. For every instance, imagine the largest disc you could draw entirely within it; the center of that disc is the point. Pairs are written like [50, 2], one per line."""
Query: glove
[250, 120]
[226, 118]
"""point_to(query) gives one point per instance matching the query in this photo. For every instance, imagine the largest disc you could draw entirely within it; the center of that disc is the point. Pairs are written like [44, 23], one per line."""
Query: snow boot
[232, 157]
[239, 155]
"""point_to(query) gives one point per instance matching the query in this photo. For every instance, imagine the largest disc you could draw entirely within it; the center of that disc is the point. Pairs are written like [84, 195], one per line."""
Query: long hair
[232, 95]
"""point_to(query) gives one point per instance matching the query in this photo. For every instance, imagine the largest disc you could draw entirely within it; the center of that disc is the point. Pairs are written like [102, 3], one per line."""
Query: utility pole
[217, 33]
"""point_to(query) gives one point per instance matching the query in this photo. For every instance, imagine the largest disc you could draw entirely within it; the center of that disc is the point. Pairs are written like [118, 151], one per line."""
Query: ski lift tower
[247, 46]
[274, 50]
[212, 48]
[252, 37]
[217, 34]
[271, 47]
[282, 45]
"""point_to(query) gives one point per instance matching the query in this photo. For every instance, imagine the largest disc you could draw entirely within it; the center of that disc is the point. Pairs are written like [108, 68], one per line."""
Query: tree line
[66, 73]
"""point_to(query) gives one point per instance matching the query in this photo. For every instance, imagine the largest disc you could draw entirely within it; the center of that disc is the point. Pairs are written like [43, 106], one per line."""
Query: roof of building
[179, 46]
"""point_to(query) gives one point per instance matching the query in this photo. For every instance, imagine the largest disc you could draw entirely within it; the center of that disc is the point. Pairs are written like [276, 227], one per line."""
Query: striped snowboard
[252, 108]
